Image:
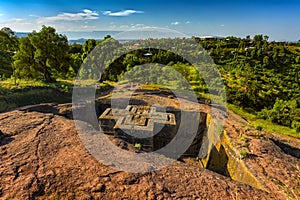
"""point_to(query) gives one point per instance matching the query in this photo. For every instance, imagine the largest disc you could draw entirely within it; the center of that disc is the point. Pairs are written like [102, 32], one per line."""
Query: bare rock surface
[42, 157]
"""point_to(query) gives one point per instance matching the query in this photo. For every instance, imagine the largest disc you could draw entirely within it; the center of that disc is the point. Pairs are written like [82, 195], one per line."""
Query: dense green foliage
[260, 76]
[42, 54]
[8, 45]
[284, 113]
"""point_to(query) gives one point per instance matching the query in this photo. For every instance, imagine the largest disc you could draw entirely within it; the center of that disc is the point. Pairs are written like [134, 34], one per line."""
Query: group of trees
[44, 55]
[260, 75]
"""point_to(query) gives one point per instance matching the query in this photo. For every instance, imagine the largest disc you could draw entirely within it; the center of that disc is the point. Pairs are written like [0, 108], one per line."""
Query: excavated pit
[161, 124]
[220, 158]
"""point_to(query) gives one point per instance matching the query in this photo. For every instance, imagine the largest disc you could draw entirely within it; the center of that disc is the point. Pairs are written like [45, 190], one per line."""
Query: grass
[21, 84]
[152, 86]
[258, 127]
[28, 92]
[263, 124]
[243, 139]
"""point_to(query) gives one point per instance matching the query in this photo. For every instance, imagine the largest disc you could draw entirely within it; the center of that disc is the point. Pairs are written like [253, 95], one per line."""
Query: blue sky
[280, 19]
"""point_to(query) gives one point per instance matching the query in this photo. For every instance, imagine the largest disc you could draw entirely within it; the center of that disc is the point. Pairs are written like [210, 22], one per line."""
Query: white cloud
[18, 24]
[88, 11]
[222, 25]
[175, 23]
[124, 26]
[138, 26]
[61, 22]
[88, 27]
[112, 27]
[84, 15]
[17, 20]
[123, 13]
[187, 22]
[34, 16]
[1, 14]
[129, 26]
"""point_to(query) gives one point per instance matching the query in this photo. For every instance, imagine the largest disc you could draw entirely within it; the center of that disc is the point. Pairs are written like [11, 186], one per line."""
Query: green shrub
[296, 125]
[286, 113]
[243, 139]
[138, 145]
[259, 128]
[243, 153]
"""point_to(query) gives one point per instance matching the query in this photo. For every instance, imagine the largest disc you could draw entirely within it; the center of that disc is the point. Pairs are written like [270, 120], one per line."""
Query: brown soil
[42, 157]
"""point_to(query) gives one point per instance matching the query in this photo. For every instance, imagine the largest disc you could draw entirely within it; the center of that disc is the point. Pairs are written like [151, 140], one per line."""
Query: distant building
[147, 54]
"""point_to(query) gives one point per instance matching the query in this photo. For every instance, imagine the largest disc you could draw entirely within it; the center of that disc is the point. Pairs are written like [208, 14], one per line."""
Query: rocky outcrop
[42, 157]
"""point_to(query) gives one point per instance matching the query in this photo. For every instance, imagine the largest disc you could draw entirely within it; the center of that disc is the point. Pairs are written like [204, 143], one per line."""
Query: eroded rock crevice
[40, 187]
[286, 148]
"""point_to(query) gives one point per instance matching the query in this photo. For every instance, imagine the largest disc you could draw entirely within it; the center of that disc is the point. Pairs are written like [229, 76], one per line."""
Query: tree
[50, 54]
[266, 61]
[258, 38]
[285, 113]
[8, 46]
[75, 48]
[87, 47]
[8, 41]
[107, 37]
[266, 38]
[25, 65]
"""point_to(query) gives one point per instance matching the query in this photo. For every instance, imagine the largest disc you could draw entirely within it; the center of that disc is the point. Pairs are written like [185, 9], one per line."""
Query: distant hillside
[88, 35]
[21, 34]
[79, 37]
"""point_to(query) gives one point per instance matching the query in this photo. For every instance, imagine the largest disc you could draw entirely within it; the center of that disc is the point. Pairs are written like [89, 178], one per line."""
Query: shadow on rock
[4, 138]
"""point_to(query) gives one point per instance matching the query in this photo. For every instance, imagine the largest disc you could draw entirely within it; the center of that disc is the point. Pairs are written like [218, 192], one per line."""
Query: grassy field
[264, 124]
[27, 92]
[30, 92]
[9, 84]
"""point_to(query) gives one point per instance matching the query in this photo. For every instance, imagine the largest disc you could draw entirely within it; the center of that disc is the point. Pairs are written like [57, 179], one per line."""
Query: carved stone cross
[136, 123]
